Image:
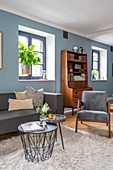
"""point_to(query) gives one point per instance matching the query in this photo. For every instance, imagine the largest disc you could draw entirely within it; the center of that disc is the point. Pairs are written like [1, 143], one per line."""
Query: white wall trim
[40, 20]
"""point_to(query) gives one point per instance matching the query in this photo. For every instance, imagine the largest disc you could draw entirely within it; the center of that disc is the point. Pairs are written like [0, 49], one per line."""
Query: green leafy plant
[27, 56]
[94, 73]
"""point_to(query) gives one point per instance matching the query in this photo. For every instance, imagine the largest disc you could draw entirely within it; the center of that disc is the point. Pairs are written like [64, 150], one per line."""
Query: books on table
[31, 126]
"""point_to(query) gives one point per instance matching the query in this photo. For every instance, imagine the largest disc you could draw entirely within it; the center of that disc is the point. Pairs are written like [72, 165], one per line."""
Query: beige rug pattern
[83, 151]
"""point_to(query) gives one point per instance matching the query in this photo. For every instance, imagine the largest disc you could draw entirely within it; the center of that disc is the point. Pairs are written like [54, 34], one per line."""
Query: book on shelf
[31, 126]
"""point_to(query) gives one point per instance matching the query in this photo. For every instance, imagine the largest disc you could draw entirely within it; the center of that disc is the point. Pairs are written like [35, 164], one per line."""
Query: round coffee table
[38, 145]
[59, 119]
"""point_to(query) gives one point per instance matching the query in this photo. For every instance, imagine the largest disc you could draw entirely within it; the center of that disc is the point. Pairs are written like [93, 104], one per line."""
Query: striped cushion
[20, 104]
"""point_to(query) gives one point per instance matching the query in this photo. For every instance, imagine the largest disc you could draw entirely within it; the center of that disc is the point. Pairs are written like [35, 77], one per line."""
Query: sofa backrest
[4, 97]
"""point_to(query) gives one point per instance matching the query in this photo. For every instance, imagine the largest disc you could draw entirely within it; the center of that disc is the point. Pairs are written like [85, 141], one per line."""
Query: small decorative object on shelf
[43, 110]
[75, 49]
[83, 76]
[70, 70]
[80, 50]
[44, 74]
[68, 77]
[71, 77]
[77, 78]
[77, 66]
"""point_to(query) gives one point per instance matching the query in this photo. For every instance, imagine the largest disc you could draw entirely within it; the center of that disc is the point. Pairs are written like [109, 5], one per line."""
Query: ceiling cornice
[100, 33]
[40, 20]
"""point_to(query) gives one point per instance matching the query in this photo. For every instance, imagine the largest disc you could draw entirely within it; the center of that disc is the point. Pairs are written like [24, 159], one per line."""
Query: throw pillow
[15, 104]
[21, 95]
[37, 95]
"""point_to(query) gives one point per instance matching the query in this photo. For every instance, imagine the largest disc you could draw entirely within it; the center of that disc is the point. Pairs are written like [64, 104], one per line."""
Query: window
[40, 47]
[95, 58]
[99, 64]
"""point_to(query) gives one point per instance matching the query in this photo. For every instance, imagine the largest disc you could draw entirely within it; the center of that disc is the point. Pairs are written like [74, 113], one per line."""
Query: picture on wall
[0, 50]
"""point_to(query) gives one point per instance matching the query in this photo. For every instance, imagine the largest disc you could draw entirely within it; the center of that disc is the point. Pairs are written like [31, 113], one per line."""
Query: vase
[43, 122]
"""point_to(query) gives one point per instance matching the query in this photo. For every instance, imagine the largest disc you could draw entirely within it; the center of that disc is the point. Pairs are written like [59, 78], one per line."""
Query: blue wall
[9, 74]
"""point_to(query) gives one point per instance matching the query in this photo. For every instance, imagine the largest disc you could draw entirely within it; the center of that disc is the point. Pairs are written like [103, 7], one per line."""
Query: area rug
[83, 151]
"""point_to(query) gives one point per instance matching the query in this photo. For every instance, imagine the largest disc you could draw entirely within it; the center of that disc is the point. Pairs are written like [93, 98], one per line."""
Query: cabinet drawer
[75, 103]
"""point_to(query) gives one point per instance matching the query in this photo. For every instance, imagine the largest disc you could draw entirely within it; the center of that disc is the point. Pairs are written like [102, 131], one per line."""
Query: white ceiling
[89, 18]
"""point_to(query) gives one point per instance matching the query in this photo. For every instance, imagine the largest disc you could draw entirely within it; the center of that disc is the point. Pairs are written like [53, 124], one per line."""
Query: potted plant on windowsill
[95, 74]
[27, 57]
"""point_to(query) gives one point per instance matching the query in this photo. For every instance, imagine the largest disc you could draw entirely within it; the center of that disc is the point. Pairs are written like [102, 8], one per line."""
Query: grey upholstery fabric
[93, 115]
[94, 106]
[94, 100]
[9, 121]
[4, 97]
[55, 101]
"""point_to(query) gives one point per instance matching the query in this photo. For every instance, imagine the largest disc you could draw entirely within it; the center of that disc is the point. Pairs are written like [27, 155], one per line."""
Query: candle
[54, 117]
[50, 116]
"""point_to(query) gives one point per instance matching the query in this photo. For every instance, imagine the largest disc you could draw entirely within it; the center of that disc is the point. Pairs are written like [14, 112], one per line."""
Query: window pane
[41, 57]
[36, 70]
[38, 44]
[95, 65]
[95, 56]
[20, 70]
[24, 40]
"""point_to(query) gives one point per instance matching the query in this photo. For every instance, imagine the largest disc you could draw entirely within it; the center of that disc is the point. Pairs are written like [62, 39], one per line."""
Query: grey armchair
[94, 108]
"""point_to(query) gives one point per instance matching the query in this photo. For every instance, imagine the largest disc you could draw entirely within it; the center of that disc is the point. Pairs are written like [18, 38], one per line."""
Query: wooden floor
[93, 127]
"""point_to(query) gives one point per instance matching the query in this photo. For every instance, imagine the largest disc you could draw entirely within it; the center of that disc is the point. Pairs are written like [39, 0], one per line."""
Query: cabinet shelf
[77, 72]
[77, 80]
[77, 61]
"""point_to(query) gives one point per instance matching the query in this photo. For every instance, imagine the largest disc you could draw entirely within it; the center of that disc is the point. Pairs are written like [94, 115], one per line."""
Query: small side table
[38, 145]
[59, 119]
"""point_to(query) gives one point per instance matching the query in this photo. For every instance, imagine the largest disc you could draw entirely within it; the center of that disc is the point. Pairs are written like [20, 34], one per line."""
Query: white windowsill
[99, 80]
[36, 80]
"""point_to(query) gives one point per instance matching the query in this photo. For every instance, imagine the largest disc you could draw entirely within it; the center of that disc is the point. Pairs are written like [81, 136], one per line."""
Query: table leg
[61, 135]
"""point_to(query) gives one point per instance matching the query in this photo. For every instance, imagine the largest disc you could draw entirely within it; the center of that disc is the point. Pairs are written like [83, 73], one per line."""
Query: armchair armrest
[108, 107]
[78, 105]
[55, 101]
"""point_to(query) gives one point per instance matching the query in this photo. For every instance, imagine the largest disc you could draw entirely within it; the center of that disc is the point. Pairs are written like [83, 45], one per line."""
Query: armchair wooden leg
[106, 124]
[109, 130]
[76, 125]
[81, 122]
[72, 111]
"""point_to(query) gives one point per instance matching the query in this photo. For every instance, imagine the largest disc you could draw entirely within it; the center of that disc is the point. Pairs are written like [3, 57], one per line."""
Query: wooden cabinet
[74, 77]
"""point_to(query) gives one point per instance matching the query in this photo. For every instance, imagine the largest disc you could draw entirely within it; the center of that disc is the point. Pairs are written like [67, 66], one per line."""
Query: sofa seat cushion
[93, 115]
[16, 114]
[9, 121]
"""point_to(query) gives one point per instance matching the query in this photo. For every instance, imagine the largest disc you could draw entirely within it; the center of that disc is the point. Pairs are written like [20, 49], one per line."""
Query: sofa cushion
[21, 95]
[93, 115]
[20, 104]
[37, 95]
[4, 97]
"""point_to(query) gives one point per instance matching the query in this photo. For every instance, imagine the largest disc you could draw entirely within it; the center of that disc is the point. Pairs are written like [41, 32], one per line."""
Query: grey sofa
[10, 120]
